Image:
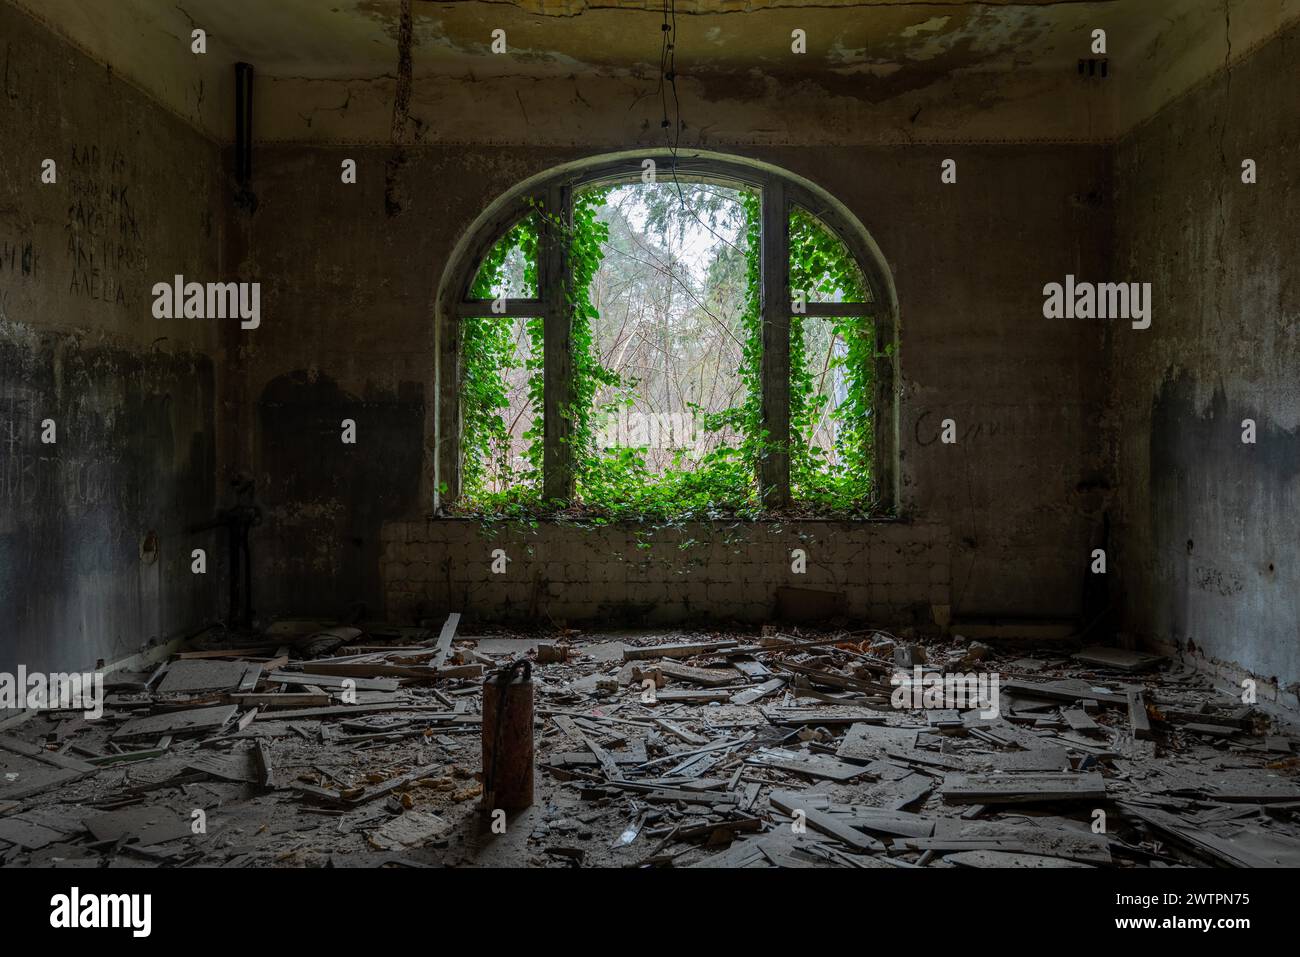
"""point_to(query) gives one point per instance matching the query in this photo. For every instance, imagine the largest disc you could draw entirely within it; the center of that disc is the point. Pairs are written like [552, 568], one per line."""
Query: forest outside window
[700, 346]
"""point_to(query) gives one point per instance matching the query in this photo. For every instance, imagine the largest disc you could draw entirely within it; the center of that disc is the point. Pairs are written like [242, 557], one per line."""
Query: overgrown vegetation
[693, 349]
[829, 356]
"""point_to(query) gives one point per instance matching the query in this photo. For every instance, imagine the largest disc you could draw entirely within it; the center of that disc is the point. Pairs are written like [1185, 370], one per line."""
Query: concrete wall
[629, 574]
[348, 333]
[133, 398]
[1210, 526]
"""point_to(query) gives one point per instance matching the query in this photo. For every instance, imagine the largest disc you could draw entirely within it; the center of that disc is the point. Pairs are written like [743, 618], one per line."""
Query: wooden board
[1060, 691]
[827, 715]
[198, 674]
[677, 731]
[27, 749]
[750, 695]
[352, 710]
[177, 722]
[608, 766]
[708, 677]
[1023, 788]
[803, 762]
[282, 700]
[1195, 838]
[882, 821]
[445, 638]
[789, 802]
[333, 681]
[32, 777]
[867, 742]
[691, 697]
[684, 650]
[1051, 842]
[1138, 720]
[1117, 659]
[235, 767]
[1079, 720]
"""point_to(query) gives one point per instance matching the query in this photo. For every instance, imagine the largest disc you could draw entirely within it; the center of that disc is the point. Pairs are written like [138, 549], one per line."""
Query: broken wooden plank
[445, 638]
[828, 679]
[677, 731]
[750, 695]
[1079, 720]
[352, 710]
[177, 722]
[829, 716]
[333, 681]
[1139, 721]
[607, 764]
[198, 674]
[683, 650]
[867, 742]
[283, 699]
[1059, 691]
[803, 762]
[1117, 658]
[655, 793]
[708, 677]
[691, 697]
[1194, 838]
[882, 821]
[234, 767]
[791, 803]
[1039, 759]
[127, 756]
[1023, 788]
[1055, 842]
[265, 766]
[27, 749]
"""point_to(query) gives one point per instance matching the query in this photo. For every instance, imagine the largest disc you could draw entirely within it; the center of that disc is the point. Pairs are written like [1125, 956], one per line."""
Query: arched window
[584, 361]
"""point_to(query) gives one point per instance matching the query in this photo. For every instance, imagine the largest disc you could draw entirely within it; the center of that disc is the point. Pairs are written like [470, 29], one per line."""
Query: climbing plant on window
[838, 479]
[488, 352]
[700, 322]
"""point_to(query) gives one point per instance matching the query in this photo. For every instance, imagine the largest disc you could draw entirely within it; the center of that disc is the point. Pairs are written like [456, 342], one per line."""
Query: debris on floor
[321, 744]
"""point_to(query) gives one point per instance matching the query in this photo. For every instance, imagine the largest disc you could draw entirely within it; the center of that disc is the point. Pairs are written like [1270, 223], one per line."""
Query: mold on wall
[94, 553]
[324, 500]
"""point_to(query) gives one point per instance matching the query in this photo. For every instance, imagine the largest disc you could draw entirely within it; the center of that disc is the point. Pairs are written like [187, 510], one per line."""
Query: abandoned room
[652, 434]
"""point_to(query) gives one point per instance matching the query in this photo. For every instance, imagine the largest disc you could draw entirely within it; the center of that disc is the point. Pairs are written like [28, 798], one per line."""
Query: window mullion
[774, 377]
[557, 346]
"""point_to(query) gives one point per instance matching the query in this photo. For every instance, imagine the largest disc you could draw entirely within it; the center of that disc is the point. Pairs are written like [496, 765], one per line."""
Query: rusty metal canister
[508, 738]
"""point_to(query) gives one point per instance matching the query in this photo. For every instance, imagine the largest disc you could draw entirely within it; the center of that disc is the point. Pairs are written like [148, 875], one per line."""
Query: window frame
[551, 196]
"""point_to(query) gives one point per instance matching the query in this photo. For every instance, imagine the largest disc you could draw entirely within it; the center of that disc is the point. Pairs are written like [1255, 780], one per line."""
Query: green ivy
[487, 353]
[616, 483]
[820, 264]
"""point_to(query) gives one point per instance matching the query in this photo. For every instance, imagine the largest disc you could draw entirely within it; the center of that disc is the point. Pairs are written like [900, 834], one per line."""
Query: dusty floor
[785, 750]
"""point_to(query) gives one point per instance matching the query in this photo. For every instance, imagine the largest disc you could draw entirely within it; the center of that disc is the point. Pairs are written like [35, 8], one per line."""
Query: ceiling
[588, 70]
